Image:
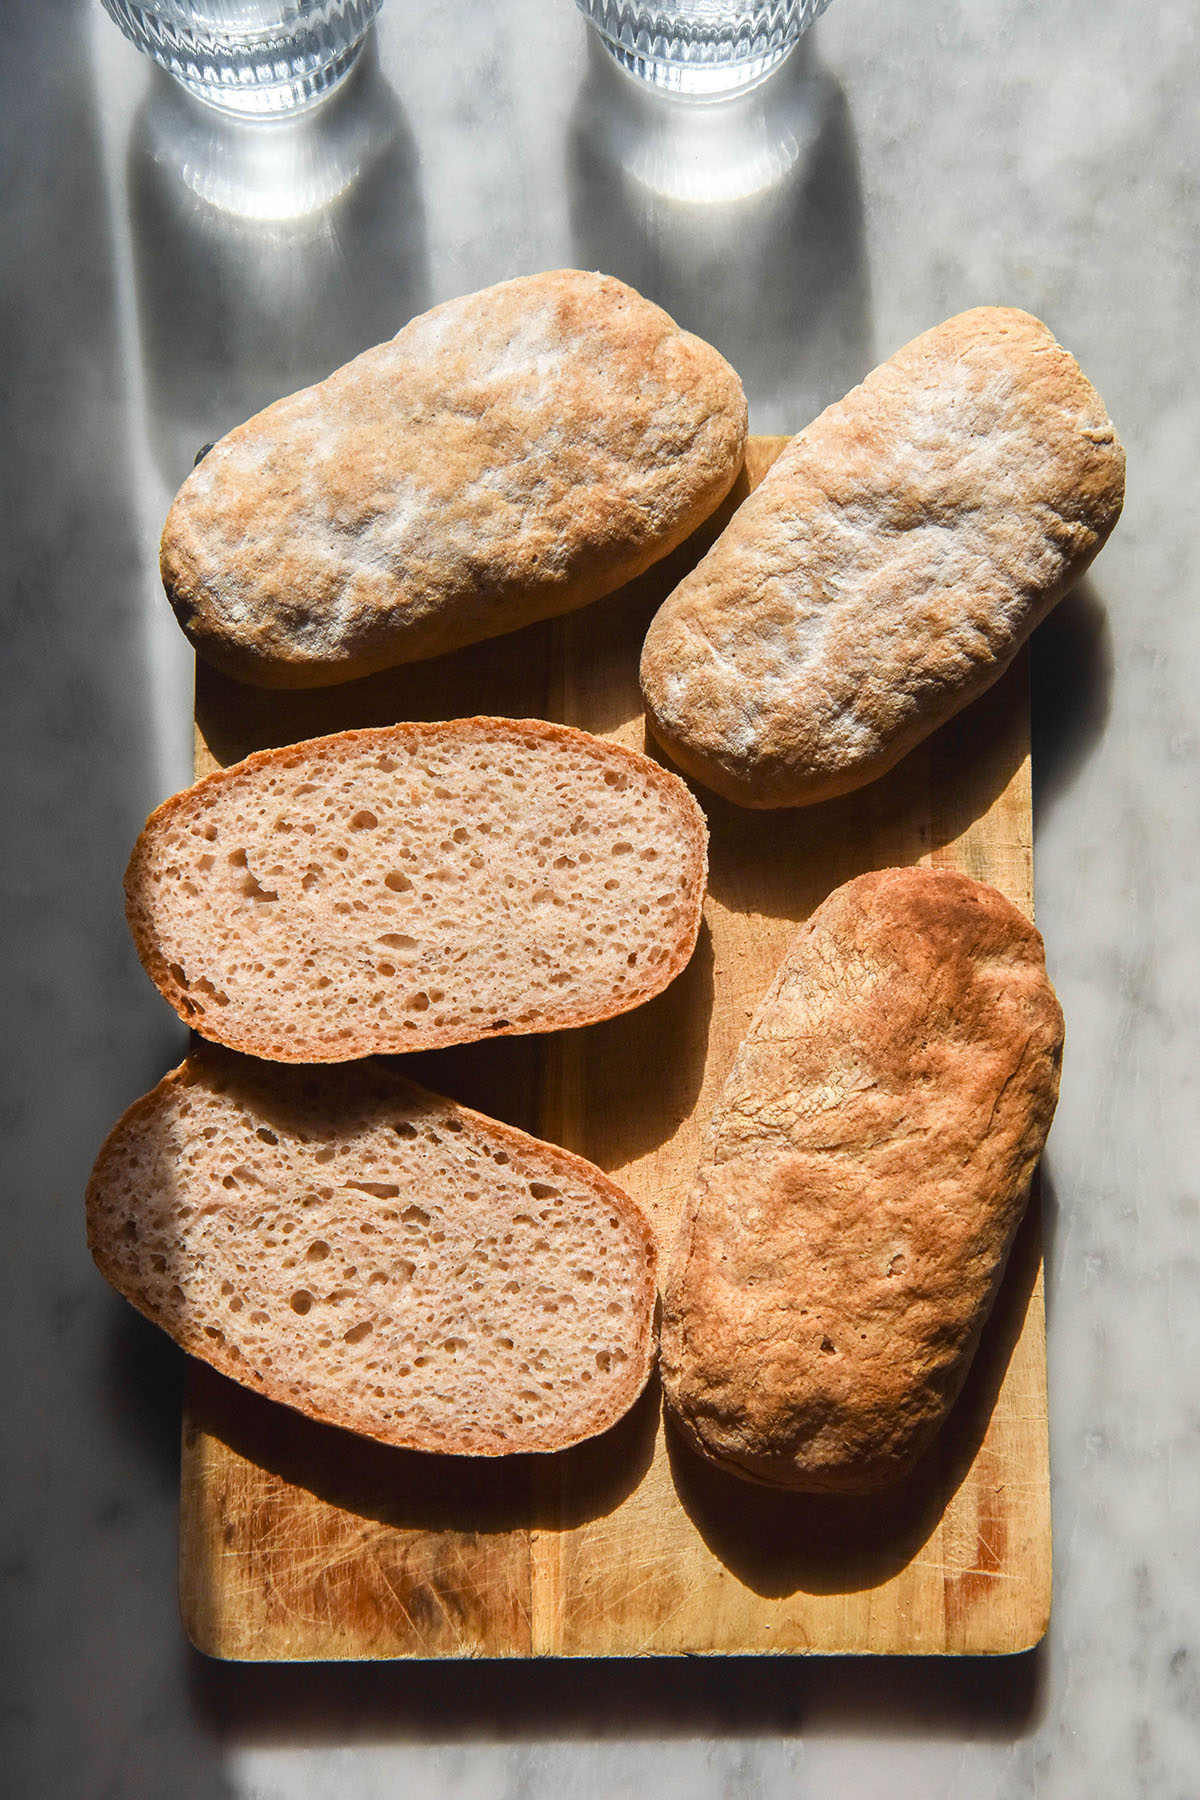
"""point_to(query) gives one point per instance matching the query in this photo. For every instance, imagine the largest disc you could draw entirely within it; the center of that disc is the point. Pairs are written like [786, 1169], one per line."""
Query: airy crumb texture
[418, 885]
[510, 455]
[864, 1177]
[379, 1258]
[888, 569]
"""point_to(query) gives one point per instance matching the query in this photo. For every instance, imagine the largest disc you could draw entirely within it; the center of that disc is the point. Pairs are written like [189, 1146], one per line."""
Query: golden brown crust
[509, 456]
[167, 1214]
[864, 1176]
[889, 567]
[163, 889]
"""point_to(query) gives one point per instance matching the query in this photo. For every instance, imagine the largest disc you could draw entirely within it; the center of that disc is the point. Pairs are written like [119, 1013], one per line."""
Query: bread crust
[508, 456]
[183, 948]
[888, 568]
[163, 1232]
[863, 1179]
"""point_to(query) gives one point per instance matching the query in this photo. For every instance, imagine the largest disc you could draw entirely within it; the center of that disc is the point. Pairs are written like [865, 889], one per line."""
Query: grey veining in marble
[163, 275]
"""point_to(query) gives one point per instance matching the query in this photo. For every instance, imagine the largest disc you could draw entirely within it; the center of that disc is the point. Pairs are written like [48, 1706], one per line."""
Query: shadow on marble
[1000, 1699]
[779, 1543]
[1071, 677]
[744, 220]
[142, 1390]
[265, 255]
[1048, 1191]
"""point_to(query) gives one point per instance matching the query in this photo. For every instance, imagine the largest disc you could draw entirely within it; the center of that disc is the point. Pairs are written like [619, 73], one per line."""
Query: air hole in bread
[204, 986]
[252, 889]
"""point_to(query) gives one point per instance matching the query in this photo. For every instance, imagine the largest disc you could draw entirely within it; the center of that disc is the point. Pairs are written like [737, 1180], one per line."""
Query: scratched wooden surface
[301, 1542]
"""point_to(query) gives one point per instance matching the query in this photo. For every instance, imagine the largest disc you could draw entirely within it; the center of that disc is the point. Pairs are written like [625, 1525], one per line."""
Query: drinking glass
[705, 48]
[253, 57]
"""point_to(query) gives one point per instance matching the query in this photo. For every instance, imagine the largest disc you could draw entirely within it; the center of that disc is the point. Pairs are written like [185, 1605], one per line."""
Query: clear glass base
[272, 98]
[702, 49]
[701, 81]
[258, 58]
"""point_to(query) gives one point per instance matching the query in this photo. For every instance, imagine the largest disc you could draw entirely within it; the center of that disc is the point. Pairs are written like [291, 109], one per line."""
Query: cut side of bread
[418, 885]
[379, 1258]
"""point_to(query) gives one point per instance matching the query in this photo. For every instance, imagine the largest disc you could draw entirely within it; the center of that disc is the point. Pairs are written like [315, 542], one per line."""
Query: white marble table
[915, 161]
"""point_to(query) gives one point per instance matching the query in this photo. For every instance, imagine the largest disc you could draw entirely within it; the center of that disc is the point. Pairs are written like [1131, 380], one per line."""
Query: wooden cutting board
[303, 1542]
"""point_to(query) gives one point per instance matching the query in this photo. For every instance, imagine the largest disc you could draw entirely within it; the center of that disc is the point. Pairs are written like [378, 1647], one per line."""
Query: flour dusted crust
[889, 567]
[864, 1176]
[510, 455]
[346, 1243]
[416, 885]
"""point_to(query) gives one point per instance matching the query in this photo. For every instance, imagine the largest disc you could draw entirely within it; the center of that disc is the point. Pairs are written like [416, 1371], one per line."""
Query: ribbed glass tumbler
[705, 48]
[252, 57]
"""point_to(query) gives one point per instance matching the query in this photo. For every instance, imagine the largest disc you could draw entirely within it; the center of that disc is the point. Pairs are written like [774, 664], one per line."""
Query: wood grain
[302, 1542]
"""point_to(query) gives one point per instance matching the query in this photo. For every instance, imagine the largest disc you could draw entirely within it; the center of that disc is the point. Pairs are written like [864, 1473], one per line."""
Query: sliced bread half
[377, 1257]
[418, 885]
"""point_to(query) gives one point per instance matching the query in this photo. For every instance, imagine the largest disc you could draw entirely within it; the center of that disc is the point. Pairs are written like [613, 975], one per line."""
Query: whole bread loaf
[377, 1257]
[416, 885]
[888, 568]
[862, 1182]
[508, 456]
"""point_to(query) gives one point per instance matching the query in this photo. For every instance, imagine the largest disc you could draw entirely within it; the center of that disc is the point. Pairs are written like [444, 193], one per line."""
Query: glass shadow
[266, 253]
[743, 219]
